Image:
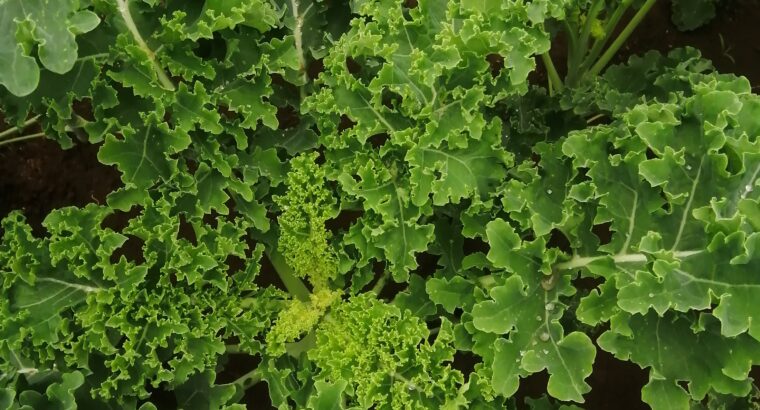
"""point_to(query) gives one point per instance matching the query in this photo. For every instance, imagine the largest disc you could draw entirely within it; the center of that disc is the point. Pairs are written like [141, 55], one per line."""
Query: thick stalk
[12, 130]
[609, 28]
[123, 6]
[22, 138]
[582, 261]
[620, 40]
[298, 37]
[294, 285]
[572, 48]
[577, 262]
[596, 8]
[551, 70]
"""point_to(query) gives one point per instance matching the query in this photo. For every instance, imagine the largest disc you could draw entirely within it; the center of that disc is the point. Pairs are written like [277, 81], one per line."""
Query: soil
[37, 176]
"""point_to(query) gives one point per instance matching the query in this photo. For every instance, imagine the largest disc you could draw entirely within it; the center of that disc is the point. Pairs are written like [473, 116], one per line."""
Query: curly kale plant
[375, 204]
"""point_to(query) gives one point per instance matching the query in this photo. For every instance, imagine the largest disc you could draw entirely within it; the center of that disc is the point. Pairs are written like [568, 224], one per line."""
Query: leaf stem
[599, 43]
[596, 8]
[581, 261]
[249, 379]
[22, 138]
[622, 37]
[298, 36]
[551, 70]
[380, 284]
[12, 130]
[123, 6]
[293, 284]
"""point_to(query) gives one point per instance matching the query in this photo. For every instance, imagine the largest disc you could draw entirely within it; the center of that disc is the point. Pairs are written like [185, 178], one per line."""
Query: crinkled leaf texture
[455, 179]
[161, 318]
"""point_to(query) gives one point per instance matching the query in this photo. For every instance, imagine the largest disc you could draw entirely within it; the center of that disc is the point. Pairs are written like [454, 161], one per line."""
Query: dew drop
[517, 360]
[538, 318]
[651, 295]
[544, 337]
[748, 188]
[550, 306]
[688, 167]
[522, 353]
[549, 191]
[534, 343]
[545, 351]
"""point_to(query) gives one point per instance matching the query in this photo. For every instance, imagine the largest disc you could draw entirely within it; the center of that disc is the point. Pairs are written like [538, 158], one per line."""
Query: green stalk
[22, 138]
[249, 379]
[596, 8]
[599, 43]
[380, 284]
[620, 40]
[123, 6]
[293, 284]
[572, 48]
[551, 70]
[12, 130]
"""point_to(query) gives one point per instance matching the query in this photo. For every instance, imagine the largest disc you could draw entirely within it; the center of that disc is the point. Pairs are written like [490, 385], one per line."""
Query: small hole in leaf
[119, 219]
[132, 250]
[603, 232]
[586, 283]
[345, 123]
[343, 221]
[315, 68]
[353, 67]
[475, 245]
[234, 264]
[557, 239]
[532, 386]
[215, 48]
[496, 63]
[287, 117]
[162, 396]
[427, 264]
[186, 230]
[378, 140]
[465, 361]
[391, 99]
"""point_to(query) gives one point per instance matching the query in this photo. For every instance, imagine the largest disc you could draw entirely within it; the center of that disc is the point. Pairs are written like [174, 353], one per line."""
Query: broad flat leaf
[529, 315]
[328, 396]
[142, 155]
[690, 15]
[52, 28]
[200, 393]
[451, 294]
[675, 351]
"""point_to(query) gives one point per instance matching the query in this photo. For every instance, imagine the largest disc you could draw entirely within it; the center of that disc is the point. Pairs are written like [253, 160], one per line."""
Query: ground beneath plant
[37, 177]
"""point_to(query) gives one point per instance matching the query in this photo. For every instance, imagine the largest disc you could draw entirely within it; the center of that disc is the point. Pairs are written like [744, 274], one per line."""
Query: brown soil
[38, 176]
[729, 40]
